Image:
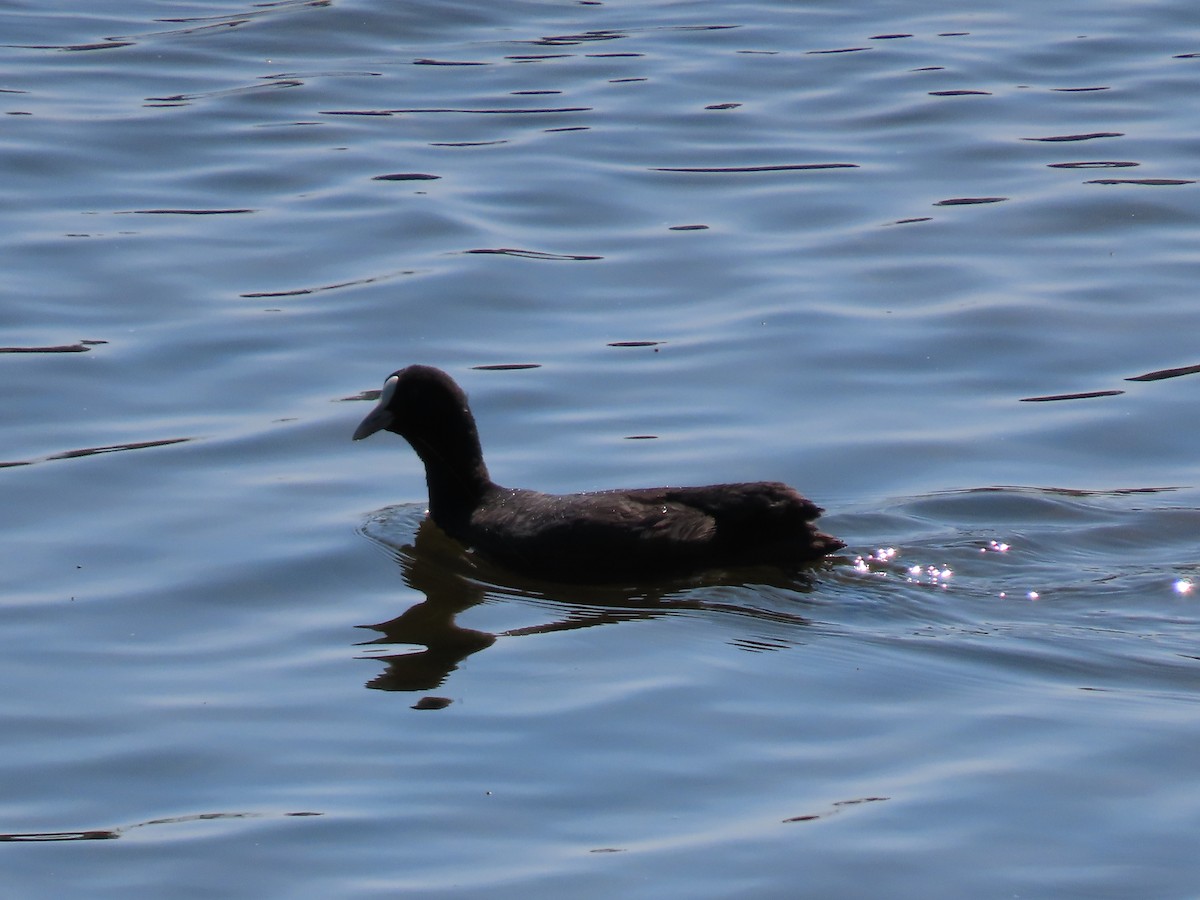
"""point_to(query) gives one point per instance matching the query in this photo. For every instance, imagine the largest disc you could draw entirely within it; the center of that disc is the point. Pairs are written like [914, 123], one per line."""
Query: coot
[596, 536]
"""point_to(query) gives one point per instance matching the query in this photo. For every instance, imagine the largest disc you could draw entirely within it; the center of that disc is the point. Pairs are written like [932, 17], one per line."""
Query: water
[216, 245]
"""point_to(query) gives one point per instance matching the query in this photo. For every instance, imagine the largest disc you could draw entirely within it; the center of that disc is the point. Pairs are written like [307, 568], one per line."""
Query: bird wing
[577, 526]
[652, 529]
[762, 504]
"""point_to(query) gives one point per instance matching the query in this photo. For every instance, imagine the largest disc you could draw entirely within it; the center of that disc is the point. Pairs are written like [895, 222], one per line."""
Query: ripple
[727, 170]
[570, 40]
[834, 808]
[113, 833]
[300, 292]
[1097, 164]
[1010, 542]
[229, 92]
[1064, 138]
[1085, 395]
[184, 212]
[839, 50]
[406, 176]
[97, 451]
[1161, 374]
[356, 112]
[100, 45]
[535, 254]
[1144, 181]
[447, 62]
[967, 201]
[413, 110]
[61, 348]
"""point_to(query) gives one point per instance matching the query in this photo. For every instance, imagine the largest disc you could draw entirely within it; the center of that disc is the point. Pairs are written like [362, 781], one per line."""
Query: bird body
[595, 536]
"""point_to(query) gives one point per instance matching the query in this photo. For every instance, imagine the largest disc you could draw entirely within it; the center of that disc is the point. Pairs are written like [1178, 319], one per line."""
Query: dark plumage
[597, 536]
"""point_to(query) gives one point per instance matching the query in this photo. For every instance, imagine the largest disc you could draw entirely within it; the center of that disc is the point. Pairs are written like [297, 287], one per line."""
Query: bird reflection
[453, 581]
[431, 623]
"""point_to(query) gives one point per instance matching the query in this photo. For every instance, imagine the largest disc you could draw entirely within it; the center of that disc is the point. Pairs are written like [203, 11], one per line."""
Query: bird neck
[457, 478]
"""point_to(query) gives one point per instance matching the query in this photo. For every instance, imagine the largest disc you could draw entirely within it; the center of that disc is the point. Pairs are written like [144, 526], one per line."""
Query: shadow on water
[453, 580]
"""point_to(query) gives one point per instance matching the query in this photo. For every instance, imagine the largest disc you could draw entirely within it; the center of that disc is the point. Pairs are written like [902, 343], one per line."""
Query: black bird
[591, 537]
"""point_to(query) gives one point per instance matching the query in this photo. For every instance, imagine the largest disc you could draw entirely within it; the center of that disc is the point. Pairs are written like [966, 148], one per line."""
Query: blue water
[854, 249]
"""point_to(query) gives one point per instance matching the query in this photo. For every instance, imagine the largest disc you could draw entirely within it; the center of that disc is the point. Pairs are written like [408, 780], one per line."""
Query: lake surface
[935, 267]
